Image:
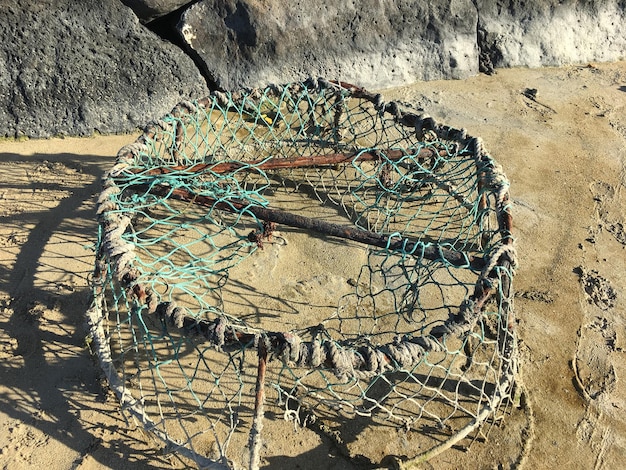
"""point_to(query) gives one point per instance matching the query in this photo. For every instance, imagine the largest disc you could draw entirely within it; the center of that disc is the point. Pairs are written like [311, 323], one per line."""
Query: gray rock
[385, 43]
[372, 43]
[72, 68]
[552, 32]
[149, 10]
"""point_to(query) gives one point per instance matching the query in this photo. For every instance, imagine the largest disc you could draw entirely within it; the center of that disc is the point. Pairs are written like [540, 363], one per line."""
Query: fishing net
[307, 252]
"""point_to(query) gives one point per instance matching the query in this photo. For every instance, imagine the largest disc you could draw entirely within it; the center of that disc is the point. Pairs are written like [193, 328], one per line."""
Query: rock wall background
[71, 67]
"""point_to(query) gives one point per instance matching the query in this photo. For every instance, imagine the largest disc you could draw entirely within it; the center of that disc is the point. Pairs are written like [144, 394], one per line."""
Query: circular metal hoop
[421, 335]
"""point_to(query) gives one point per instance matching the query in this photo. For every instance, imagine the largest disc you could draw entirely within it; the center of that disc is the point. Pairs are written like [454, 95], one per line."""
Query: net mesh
[308, 249]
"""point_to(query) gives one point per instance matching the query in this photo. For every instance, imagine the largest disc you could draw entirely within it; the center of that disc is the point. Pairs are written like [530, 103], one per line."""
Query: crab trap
[307, 252]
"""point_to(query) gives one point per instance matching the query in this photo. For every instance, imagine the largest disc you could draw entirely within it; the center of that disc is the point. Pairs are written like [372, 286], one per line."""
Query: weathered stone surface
[72, 68]
[379, 44]
[372, 43]
[148, 10]
[75, 67]
[552, 32]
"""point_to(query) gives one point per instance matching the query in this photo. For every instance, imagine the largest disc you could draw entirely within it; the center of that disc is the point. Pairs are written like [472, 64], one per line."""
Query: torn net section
[312, 250]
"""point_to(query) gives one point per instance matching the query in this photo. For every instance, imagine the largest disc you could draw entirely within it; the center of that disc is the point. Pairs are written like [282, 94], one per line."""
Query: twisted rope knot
[121, 251]
[341, 361]
[497, 181]
[315, 354]
[479, 150]
[503, 252]
[106, 195]
[405, 353]
[216, 332]
[374, 362]
[174, 314]
[426, 343]
[456, 325]
[291, 352]
[221, 97]
[188, 105]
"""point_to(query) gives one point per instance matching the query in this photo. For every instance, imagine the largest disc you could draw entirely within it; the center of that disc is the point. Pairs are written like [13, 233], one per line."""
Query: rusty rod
[259, 401]
[347, 232]
[275, 163]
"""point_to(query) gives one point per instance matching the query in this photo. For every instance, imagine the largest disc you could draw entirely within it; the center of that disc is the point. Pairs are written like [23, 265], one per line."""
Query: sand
[562, 146]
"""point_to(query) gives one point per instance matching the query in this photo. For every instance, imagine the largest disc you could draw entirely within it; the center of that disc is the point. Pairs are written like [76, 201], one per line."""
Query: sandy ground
[564, 150]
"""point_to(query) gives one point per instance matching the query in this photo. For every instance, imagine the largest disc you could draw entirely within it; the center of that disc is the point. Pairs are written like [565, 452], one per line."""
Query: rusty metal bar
[276, 163]
[259, 401]
[347, 232]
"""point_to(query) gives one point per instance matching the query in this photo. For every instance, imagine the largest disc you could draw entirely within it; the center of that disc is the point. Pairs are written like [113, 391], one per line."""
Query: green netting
[311, 251]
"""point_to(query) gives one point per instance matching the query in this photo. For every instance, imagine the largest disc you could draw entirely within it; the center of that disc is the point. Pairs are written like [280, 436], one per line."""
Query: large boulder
[551, 32]
[74, 67]
[385, 43]
[373, 43]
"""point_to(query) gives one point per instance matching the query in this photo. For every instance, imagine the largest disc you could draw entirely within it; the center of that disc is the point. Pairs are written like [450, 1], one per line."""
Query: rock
[550, 32]
[149, 10]
[246, 43]
[72, 68]
[379, 44]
